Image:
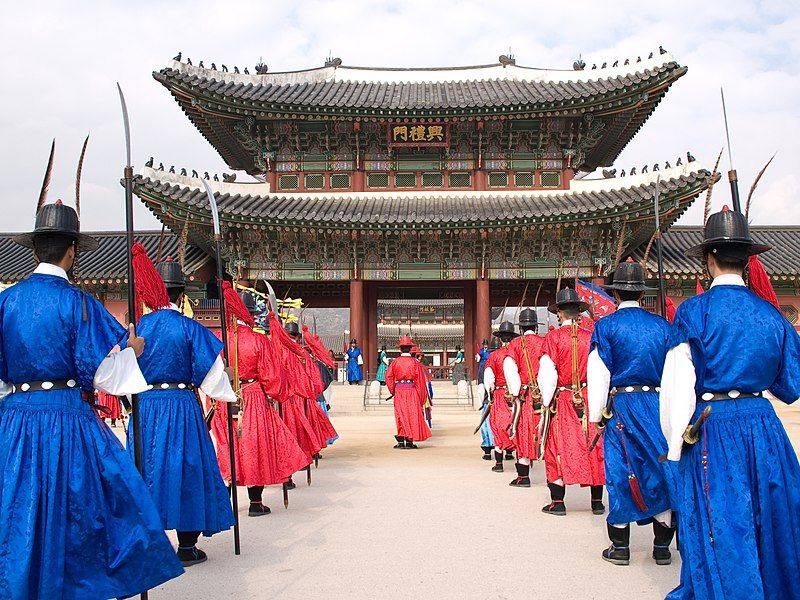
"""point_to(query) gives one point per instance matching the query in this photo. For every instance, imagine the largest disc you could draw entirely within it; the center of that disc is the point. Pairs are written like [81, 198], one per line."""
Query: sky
[61, 61]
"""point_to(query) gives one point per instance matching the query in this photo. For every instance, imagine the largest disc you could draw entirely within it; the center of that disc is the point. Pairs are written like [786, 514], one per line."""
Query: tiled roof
[249, 204]
[622, 98]
[353, 88]
[782, 260]
[107, 263]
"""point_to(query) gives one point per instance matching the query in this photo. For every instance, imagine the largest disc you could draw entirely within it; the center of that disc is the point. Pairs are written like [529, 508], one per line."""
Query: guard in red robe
[111, 407]
[266, 451]
[522, 364]
[311, 391]
[406, 381]
[494, 379]
[298, 389]
[562, 382]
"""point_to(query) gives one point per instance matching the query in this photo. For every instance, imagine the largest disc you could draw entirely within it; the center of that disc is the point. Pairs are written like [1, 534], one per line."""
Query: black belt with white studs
[732, 395]
[631, 389]
[170, 386]
[45, 386]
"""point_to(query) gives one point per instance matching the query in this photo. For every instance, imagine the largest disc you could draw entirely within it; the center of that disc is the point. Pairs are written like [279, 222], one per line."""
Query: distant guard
[522, 364]
[406, 381]
[494, 378]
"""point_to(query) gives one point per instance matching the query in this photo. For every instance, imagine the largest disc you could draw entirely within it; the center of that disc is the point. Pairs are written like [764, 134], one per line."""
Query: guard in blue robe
[180, 465]
[487, 437]
[626, 357]
[482, 356]
[383, 364]
[739, 482]
[76, 520]
[354, 362]
[326, 374]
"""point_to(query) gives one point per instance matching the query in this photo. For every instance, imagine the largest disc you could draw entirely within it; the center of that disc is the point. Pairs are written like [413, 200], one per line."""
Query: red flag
[600, 302]
[760, 282]
[698, 288]
[671, 310]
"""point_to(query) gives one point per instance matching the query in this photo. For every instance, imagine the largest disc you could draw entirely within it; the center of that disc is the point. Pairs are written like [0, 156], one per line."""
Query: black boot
[188, 552]
[662, 537]
[598, 508]
[556, 506]
[487, 452]
[619, 552]
[257, 508]
[400, 441]
[498, 462]
[410, 444]
[290, 484]
[509, 455]
[523, 476]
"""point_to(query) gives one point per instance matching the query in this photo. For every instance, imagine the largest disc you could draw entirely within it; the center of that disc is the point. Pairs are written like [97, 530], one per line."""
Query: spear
[128, 176]
[224, 327]
[662, 292]
[733, 178]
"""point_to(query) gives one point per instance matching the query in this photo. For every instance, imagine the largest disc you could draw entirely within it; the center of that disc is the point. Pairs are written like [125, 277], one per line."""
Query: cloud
[61, 62]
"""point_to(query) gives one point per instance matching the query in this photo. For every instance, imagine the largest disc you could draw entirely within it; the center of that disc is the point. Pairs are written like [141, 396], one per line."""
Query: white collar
[529, 332]
[628, 304]
[49, 269]
[728, 279]
[173, 306]
[566, 323]
[405, 354]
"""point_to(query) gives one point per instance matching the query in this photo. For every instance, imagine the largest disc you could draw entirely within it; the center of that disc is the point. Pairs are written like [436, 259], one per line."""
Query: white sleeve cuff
[119, 374]
[547, 379]
[216, 383]
[511, 373]
[677, 399]
[488, 379]
[5, 388]
[598, 380]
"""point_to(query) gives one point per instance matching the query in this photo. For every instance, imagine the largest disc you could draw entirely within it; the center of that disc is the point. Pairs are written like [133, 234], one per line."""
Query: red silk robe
[527, 358]
[266, 453]
[111, 404]
[405, 378]
[566, 451]
[500, 416]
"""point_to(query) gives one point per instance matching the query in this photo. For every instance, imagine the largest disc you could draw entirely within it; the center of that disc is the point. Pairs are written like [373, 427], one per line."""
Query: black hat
[506, 330]
[628, 277]
[58, 219]
[495, 345]
[527, 318]
[729, 230]
[250, 302]
[172, 273]
[566, 298]
[293, 329]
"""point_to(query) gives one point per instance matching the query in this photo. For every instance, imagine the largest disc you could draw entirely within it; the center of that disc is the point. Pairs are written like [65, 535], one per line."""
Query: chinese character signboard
[418, 135]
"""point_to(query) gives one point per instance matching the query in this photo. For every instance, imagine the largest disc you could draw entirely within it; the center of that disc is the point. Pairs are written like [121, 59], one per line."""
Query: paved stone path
[431, 523]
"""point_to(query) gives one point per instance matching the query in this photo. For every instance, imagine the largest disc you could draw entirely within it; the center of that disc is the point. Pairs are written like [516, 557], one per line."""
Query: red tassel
[283, 339]
[670, 309]
[318, 348]
[760, 282]
[234, 307]
[698, 289]
[150, 288]
[636, 492]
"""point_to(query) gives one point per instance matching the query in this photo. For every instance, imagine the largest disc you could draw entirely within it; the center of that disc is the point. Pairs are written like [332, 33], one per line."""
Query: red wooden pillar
[470, 343]
[358, 181]
[483, 310]
[371, 332]
[357, 312]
